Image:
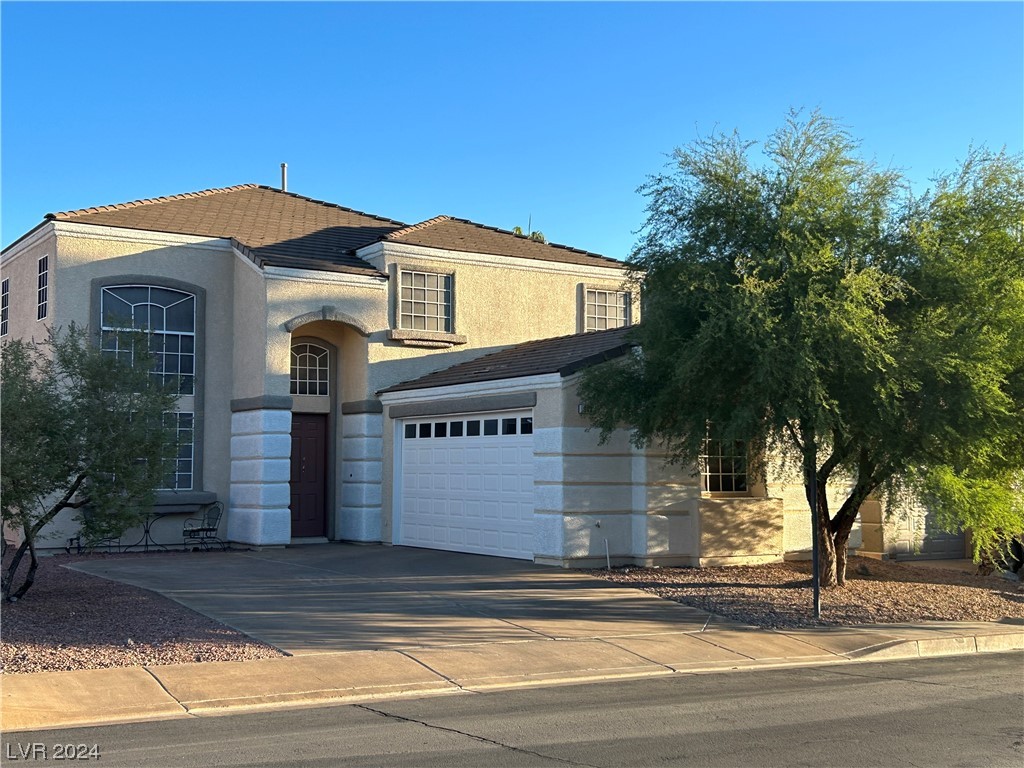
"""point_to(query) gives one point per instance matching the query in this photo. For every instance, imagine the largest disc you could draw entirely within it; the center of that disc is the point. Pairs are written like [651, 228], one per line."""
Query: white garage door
[466, 483]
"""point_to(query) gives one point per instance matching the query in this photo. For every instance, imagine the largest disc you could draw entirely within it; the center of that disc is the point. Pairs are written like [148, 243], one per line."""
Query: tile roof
[453, 234]
[272, 227]
[284, 229]
[563, 354]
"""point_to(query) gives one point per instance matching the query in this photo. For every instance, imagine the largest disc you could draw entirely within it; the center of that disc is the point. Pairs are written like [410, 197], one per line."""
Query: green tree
[809, 304]
[80, 429]
[534, 235]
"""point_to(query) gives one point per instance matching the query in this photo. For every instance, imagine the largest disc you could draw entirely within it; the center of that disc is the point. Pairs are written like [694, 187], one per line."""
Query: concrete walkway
[369, 622]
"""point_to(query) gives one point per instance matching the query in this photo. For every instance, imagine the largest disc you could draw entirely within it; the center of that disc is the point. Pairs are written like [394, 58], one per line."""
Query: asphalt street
[954, 711]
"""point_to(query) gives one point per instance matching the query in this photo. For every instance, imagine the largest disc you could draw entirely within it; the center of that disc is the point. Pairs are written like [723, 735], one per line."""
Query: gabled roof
[454, 234]
[272, 227]
[564, 355]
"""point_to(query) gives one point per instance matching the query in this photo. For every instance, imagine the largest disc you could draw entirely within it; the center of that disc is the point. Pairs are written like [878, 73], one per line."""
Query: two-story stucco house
[344, 376]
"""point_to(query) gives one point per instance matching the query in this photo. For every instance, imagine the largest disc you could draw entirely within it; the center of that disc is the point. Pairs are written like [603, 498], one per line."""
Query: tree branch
[52, 513]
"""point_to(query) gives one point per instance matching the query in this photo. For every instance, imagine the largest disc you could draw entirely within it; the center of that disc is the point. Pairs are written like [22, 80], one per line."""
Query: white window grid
[42, 287]
[723, 466]
[310, 370]
[5, 297]
[606, 309]
[488, 426]
[181, 469]
[425, 302]
[153, 309]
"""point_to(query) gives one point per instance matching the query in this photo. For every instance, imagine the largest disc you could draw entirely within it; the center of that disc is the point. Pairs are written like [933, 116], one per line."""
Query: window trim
[107, 290]
[413, 337]
[42, 287]
[293, 382]
[198, 398]
[581, 305]
[705, 474]
[445, 284]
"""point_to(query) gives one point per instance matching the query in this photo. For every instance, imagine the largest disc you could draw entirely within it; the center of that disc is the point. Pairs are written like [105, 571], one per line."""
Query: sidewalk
[91, 697]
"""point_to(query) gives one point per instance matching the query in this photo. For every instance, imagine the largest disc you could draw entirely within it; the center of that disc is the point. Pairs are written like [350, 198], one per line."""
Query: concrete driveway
[336, 597]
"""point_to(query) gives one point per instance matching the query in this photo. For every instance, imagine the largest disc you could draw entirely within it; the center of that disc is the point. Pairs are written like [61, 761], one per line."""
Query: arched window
[167, 315]
[310, 370]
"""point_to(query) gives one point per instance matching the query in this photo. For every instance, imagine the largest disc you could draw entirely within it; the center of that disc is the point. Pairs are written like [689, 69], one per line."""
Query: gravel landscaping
[877, 592]
[71, 620]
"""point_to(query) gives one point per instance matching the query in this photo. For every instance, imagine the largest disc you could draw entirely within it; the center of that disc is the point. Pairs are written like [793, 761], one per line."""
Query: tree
[812, 306]
[534, 235]
[81, 429]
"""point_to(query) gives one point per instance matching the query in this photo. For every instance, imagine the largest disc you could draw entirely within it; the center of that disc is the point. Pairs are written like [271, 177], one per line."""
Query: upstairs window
[311, 371]
[425, 302]
[42, 287]
[723, 466]
[167, 315]
[5, 293]
[605, 309]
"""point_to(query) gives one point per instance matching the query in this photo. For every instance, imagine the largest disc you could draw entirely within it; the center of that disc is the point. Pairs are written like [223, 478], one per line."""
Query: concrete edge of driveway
[50, 700]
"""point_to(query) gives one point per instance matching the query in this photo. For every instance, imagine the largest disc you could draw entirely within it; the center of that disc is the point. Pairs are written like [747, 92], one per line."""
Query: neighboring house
[344, 376]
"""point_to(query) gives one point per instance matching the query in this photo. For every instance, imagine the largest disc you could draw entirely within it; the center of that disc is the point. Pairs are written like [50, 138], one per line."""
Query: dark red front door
[309, 474]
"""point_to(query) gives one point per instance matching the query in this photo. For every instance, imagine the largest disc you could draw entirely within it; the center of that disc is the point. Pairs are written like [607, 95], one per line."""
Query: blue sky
[494, 112]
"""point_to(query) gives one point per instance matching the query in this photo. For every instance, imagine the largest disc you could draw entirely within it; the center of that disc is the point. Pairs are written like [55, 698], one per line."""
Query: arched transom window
[167, 315]
[310, 370]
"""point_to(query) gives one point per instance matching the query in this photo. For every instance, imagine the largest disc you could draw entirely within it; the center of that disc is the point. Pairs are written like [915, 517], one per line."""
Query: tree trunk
[30, 577]
[826, 550]
[828, 558]
[841, 544]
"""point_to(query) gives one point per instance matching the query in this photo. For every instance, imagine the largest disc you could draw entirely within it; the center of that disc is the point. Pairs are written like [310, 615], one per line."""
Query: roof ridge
[501, 231]
[329, 204]
[148, 201]
[413, 227]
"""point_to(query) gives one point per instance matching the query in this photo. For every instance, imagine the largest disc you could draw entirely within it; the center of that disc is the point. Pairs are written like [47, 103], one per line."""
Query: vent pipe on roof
[284, 177]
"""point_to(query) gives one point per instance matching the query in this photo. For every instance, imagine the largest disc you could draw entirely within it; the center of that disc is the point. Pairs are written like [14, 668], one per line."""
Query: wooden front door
[309, 475]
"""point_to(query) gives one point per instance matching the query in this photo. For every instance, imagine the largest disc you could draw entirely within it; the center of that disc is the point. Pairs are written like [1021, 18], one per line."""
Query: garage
[465, 483]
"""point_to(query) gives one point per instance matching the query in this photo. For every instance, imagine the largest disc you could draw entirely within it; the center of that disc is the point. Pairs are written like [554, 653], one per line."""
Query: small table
[147, 536]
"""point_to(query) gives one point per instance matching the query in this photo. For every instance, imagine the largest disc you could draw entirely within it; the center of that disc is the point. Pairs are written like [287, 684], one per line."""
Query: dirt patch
[71, 620]
[877, 592]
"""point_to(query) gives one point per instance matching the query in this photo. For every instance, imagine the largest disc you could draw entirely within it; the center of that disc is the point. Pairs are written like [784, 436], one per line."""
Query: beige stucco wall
[22, 270]
[736, 531]
[494, 306]
[362, 299]
[249, 348]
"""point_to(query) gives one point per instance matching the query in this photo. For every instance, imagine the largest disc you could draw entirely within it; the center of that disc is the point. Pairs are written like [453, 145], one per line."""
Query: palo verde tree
[808, 304]
[81, 429]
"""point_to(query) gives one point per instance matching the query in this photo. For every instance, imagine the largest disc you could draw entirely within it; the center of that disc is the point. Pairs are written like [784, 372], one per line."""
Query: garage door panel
[469, 485]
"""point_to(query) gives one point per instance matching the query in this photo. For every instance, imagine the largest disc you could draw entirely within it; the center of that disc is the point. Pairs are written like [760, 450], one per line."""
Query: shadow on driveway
[342, 597]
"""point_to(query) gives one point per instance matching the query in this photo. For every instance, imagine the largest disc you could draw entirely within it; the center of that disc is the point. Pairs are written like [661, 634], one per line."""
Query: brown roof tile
[272, 227]
[284, 229]
[563, 354]
[454, 234]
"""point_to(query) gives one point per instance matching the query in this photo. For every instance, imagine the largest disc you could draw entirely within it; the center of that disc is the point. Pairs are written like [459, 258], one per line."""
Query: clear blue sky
[492, 112]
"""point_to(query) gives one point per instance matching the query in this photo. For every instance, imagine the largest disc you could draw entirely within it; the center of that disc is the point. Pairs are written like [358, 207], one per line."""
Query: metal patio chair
[202, 531]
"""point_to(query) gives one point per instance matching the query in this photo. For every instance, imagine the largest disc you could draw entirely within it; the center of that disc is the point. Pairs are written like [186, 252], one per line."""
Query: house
[344, 376]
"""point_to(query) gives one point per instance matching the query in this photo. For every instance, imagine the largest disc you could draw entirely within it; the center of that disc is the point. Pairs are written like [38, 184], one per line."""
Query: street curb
[307, 694]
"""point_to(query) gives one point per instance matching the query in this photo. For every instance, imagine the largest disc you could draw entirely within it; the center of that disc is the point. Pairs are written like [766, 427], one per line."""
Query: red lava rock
[71, 620]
